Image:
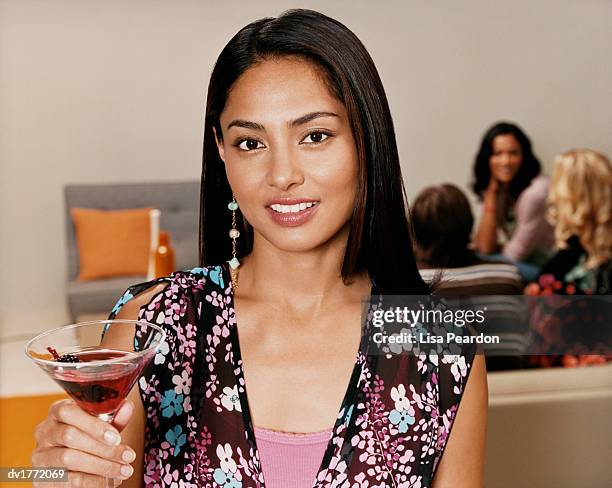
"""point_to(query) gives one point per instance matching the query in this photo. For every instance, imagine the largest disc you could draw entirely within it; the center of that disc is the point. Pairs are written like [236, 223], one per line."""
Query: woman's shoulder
[533, 199]
[179, 284]
[538, 188]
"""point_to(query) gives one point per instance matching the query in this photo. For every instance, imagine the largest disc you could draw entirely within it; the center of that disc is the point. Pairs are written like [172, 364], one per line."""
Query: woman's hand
[486, 235]
[89, 448]
[492, 187]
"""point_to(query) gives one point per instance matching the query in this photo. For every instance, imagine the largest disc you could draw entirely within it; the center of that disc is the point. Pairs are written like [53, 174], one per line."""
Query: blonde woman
[581, 211]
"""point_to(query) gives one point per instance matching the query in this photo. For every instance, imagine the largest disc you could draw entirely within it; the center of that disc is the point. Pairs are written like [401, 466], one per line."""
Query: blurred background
[109, 92]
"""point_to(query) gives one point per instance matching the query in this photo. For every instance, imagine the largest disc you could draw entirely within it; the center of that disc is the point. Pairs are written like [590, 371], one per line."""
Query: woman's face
[506, 158]
[289, 154]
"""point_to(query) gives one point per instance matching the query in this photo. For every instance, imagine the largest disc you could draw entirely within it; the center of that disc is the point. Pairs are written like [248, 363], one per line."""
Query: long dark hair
[529, 169]
[379, 238]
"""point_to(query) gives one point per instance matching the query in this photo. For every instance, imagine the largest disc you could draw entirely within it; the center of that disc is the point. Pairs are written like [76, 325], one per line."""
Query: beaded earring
[234, 233]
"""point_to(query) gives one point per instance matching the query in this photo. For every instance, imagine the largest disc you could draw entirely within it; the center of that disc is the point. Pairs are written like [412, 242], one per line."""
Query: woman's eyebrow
[304, 119]
[245, 124]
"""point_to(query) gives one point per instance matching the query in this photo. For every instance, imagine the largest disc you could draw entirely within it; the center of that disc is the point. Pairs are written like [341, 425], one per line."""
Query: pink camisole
[290, 460]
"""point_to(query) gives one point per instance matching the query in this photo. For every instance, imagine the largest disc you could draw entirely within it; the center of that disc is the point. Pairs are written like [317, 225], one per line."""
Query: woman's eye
[249, 144]
[315, 137]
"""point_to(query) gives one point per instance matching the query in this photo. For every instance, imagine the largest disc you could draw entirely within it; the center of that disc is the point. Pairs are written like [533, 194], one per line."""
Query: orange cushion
[111, 242]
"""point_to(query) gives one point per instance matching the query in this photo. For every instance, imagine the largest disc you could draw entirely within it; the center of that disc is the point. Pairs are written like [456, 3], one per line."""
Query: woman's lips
[292, 219]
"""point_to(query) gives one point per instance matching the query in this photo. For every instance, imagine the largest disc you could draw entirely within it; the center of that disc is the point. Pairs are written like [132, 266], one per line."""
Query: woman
[581, 211]
[299, 144]
[507, 180]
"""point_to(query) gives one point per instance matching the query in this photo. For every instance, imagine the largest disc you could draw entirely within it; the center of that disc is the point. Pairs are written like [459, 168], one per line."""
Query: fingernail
[126, 471]
[128, 455]
[112, 437]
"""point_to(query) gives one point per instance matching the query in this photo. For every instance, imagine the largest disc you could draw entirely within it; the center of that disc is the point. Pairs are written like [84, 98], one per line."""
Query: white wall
[95, 91]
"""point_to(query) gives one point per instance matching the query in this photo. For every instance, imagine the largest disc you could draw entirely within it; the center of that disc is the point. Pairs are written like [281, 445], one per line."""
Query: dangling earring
[234, 233]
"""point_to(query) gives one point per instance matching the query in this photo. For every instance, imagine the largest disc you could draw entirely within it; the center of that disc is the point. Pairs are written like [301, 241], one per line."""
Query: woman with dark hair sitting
[442, 222]
[267, 379]
[507, 180]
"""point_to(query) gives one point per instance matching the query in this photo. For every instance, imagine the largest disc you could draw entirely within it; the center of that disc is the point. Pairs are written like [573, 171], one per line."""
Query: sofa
[550, 427]
[179, 204]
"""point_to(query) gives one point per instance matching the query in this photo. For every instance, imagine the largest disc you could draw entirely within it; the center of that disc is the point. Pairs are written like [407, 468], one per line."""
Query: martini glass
[97, 363]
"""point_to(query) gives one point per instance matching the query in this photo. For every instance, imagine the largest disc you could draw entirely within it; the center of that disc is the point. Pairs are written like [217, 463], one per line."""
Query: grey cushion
[179, 203]
[97, 296]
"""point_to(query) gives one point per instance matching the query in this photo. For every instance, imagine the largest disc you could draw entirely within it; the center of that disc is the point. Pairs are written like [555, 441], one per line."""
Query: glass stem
[108, 417]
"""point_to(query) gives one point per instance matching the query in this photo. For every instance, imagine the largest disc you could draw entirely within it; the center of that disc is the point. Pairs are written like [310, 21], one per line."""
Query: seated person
[507, 180]
[581, 210]
[442, 222]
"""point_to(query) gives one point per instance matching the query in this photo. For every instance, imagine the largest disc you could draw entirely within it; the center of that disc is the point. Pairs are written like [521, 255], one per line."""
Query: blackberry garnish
[68, 358]
[64, 358]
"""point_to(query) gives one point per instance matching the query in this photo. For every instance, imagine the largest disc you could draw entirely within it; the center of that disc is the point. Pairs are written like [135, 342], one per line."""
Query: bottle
[164, 256]
[154, 217]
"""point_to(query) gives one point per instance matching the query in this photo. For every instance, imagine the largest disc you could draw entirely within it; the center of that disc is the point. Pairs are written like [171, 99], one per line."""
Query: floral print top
[390, 431]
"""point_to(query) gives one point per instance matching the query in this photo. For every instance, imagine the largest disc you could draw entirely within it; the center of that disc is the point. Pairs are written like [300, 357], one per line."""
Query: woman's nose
[284, 171]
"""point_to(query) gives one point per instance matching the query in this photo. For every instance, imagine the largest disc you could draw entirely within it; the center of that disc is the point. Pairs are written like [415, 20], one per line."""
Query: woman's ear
[219, 144]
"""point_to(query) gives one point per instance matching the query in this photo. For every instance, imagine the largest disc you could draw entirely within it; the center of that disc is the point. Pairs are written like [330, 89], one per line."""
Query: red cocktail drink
[99, 392]
[97, 363]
